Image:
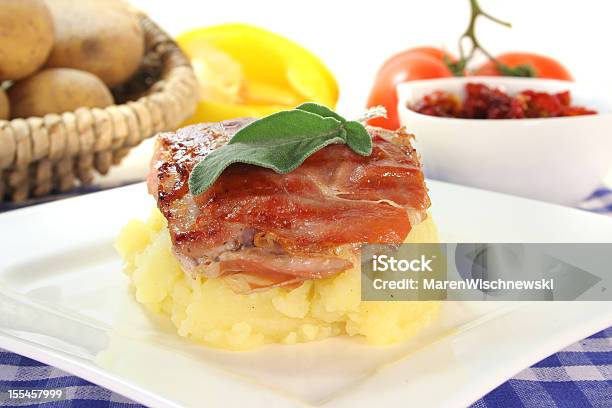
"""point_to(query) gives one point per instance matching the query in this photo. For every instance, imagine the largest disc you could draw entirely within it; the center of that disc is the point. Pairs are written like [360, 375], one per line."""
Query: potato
[26, 37]
[208, 311]
[57, 90]
[4, 105]
[98, 36]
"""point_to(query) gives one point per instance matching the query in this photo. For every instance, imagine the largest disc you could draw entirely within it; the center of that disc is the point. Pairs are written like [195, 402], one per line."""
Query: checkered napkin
[600, 201]
[578, 376]
[21, 373]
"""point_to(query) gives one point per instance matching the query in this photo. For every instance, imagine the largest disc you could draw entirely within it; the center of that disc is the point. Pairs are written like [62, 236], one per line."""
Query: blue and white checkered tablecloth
[577, 376]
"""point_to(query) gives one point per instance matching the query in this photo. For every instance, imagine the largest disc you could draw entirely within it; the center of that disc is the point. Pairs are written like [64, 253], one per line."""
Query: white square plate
[65, 302]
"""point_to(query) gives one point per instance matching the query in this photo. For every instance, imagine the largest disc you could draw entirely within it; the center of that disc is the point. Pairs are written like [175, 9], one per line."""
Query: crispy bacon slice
[261, 229]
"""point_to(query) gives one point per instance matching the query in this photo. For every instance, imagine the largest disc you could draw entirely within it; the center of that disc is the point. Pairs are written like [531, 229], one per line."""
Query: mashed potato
[207, 311]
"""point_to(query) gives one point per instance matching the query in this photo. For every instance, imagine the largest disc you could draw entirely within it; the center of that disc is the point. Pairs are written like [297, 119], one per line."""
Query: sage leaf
[320, 110]
[281, 142]
[287, 126]
[358, 138]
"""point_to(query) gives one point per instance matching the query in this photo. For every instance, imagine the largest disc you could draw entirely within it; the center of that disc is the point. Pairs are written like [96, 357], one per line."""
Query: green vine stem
[458, 67]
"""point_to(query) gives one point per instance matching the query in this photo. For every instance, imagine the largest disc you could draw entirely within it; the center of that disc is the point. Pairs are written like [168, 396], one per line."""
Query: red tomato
[545, 67]
[412, 64]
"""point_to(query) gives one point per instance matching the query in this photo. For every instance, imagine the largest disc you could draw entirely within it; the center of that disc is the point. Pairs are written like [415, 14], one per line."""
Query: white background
[355, 37]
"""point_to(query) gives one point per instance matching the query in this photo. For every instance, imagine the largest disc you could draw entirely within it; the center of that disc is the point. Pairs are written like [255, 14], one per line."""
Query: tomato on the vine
[431, 62]
[543, 66]
[412, 64]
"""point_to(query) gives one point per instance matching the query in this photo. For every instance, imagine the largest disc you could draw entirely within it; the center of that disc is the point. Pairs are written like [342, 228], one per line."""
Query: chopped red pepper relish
[483, 102]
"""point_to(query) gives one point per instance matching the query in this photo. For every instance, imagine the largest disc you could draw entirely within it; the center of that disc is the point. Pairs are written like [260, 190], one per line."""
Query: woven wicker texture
[57, 152]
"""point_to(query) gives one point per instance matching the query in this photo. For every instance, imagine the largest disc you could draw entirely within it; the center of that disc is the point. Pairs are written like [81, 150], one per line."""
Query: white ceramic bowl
[561, 160]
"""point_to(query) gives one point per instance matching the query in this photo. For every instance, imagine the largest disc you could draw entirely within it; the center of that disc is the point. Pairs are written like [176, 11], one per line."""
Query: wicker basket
[57, 152]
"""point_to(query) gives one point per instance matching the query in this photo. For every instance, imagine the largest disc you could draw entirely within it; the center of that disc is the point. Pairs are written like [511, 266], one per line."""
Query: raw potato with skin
[57, 90]
[99, 36]
[4, 105]
[26, 37]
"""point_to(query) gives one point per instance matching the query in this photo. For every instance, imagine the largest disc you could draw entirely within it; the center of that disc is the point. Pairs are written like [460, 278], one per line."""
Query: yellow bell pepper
[247, 71]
